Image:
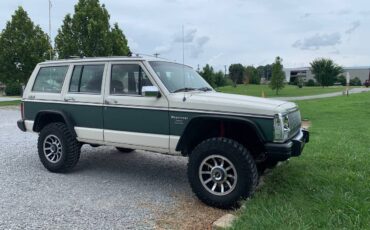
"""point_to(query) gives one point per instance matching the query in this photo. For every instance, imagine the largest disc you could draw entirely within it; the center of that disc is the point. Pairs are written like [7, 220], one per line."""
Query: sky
[223, 32]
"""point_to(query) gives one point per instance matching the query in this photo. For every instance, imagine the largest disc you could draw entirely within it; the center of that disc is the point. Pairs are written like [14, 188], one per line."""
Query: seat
[116, 87]
[132, 88]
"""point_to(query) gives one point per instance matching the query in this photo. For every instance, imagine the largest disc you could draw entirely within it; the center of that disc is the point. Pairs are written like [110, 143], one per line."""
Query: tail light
[22, 110]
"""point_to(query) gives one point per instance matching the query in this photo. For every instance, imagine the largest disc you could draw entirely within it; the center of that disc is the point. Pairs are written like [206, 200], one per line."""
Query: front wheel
[221, 172]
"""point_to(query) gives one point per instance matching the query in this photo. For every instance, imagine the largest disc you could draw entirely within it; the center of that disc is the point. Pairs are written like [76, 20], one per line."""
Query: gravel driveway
[106, 190]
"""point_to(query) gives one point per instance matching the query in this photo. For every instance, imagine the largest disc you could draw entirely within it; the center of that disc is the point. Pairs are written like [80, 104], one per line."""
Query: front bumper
[291, 148]
[21, 125]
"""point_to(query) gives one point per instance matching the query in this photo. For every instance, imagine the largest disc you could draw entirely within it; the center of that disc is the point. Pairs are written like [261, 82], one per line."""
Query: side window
[128, 79]
[50, 79]
[86, 79]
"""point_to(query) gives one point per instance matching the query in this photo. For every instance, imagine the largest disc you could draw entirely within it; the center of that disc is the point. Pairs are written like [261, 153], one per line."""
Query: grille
[294, 122]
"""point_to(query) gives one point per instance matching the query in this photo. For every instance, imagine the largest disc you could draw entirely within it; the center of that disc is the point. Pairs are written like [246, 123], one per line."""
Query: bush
[342, 80]
[13, 89]
[310, 83]
[355, 82]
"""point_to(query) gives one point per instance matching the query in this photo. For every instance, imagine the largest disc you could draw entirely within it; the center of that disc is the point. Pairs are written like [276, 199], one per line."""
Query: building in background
[291, 74]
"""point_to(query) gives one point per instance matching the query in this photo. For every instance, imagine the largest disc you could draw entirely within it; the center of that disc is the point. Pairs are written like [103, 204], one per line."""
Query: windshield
[179, 78]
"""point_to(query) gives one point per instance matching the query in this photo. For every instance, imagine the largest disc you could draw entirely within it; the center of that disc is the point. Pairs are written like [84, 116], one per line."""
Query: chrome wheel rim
[52, 148]
[218, 175]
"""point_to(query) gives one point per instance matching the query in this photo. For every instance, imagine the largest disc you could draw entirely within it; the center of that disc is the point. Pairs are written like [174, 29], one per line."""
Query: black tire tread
[236, 148]
[73, 147]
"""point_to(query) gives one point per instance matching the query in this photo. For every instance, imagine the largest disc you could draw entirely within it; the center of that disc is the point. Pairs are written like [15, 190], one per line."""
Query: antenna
[183, 61]
[50, 5]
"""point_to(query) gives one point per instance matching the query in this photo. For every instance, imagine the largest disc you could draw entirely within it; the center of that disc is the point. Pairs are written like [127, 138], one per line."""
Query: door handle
[110, 101]
[69, 99]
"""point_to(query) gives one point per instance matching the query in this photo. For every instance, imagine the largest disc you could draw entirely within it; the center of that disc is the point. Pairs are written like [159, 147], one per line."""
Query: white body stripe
[89, 133]
[29, 125]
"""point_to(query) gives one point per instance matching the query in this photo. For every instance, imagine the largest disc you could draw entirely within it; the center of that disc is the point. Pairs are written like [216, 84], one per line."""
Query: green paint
[88, 116]
[134, 119]
[178, 122]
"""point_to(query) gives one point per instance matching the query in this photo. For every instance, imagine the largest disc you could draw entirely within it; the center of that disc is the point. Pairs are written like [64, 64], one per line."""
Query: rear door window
[87, 79]
[50, 79]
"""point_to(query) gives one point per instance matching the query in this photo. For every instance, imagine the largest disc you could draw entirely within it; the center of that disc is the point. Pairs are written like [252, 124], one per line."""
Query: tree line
[239, 74]
[85, 33]
[326, 72]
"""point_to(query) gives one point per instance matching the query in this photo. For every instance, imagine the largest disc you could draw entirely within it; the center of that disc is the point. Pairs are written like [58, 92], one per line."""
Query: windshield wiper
[186, 89]
[204, 89]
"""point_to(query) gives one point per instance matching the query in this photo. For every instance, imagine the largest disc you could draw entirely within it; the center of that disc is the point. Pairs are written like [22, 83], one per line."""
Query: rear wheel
[125, 150]
[221, 172]
[57, 147]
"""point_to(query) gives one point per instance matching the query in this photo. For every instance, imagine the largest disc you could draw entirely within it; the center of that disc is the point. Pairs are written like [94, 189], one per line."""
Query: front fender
[192, 125]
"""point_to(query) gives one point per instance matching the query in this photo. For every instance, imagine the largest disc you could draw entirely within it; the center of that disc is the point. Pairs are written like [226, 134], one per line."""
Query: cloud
[194, 44]
[163, 48]
[189, 36]
[343, 12]
[215, 57]
[317, 41]
[306, 15]
[198, 47]
[354, 26]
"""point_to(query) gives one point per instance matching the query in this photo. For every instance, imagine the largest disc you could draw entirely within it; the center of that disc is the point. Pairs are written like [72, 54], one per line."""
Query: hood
[231, 103]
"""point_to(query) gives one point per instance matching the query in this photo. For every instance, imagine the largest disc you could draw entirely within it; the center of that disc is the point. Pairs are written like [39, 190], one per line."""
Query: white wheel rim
[218, 175]
[53, 149]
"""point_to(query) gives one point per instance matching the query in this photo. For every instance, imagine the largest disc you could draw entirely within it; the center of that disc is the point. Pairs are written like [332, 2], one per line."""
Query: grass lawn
[287, 91]
[9, 103]
[328, 187]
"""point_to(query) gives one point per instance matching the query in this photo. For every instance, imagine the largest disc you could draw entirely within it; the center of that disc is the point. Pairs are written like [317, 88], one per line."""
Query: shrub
[13, 89]
[310, 83]
[342, 79]
[355, 82]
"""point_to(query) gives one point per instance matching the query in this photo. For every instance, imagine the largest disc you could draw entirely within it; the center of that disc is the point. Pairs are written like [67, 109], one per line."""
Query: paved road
[107, 189]
[9, 98]
[352, 91]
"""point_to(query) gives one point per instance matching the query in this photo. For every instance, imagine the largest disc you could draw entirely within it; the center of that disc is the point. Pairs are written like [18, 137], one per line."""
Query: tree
[236, 73]
[252, 75]
[277, 76]
[342, 79]
[88, 33]
[22, 46]
[220, 79]
[208, 74]
[355, 81]
[325, 71]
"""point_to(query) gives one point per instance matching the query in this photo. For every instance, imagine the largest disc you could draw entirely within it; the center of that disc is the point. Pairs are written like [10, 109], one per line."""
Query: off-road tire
[124, 150]
[71, 148]
[243, 162]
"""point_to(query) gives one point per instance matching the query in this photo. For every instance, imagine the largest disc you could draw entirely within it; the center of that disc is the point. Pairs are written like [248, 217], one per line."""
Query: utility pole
[156, 55]
[50, 5]
[225, 70]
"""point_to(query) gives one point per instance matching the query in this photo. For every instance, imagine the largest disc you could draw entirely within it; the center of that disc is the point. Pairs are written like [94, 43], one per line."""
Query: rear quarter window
[50, 79]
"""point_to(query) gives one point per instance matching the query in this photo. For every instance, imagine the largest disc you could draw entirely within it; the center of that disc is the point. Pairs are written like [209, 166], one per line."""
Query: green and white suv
[160, 106]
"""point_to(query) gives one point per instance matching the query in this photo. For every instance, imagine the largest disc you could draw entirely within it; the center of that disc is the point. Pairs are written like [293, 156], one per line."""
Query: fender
[69, 122]
[190, 125]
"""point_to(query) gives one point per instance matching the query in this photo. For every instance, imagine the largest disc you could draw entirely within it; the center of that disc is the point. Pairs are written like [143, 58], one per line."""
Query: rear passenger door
[130, 119]
[84, 100]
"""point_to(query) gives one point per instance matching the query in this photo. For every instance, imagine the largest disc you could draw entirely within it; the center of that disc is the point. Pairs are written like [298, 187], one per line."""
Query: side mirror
[150, 91]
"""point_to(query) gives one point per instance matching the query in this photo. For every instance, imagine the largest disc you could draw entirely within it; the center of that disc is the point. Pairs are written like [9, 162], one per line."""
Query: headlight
[281, 127]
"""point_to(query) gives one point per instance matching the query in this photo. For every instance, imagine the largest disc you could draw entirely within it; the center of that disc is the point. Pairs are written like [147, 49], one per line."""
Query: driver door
[132, 120]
